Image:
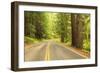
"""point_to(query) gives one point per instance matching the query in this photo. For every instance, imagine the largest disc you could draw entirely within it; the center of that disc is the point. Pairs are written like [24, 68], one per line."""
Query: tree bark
[77, 30]
[74, 29]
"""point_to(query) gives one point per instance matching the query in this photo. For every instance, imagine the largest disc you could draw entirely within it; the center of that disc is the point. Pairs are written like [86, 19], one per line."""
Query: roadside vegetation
[69, 28]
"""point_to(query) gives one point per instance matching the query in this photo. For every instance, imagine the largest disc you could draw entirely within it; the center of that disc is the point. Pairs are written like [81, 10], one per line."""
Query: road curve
[49, 50]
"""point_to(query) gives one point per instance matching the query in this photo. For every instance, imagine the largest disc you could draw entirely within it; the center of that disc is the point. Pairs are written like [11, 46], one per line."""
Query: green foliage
[56, 26]
[86, 45]
[29, 40]
[64, 26]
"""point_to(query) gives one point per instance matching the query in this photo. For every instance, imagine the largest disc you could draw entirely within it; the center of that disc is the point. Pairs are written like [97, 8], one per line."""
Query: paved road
[49, 50]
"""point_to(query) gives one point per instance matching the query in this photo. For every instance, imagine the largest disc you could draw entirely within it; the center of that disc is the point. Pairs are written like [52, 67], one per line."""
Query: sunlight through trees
[69, 28]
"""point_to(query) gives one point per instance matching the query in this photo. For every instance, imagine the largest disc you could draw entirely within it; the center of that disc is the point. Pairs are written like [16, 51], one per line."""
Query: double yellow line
[47, 54]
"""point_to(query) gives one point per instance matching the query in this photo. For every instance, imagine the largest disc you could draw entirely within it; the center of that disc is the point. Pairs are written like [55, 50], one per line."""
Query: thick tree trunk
[77, 30]
[74, 29]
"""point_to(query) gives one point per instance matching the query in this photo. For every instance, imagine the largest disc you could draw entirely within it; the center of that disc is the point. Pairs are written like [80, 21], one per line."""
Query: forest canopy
[70, 28]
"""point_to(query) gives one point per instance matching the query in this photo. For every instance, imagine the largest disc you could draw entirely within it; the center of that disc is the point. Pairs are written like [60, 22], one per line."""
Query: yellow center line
[47, 54]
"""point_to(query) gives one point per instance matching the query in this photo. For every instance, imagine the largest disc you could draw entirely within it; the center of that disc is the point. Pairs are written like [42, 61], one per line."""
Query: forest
[73, 29]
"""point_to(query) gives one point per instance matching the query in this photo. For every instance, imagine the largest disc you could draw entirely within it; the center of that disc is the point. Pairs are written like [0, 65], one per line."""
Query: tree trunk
[62, 37]
[77, 30]
[74, 29]
[81, 30]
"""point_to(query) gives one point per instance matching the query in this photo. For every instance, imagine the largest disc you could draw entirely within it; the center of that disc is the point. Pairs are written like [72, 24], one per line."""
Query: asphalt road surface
[49, 50]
